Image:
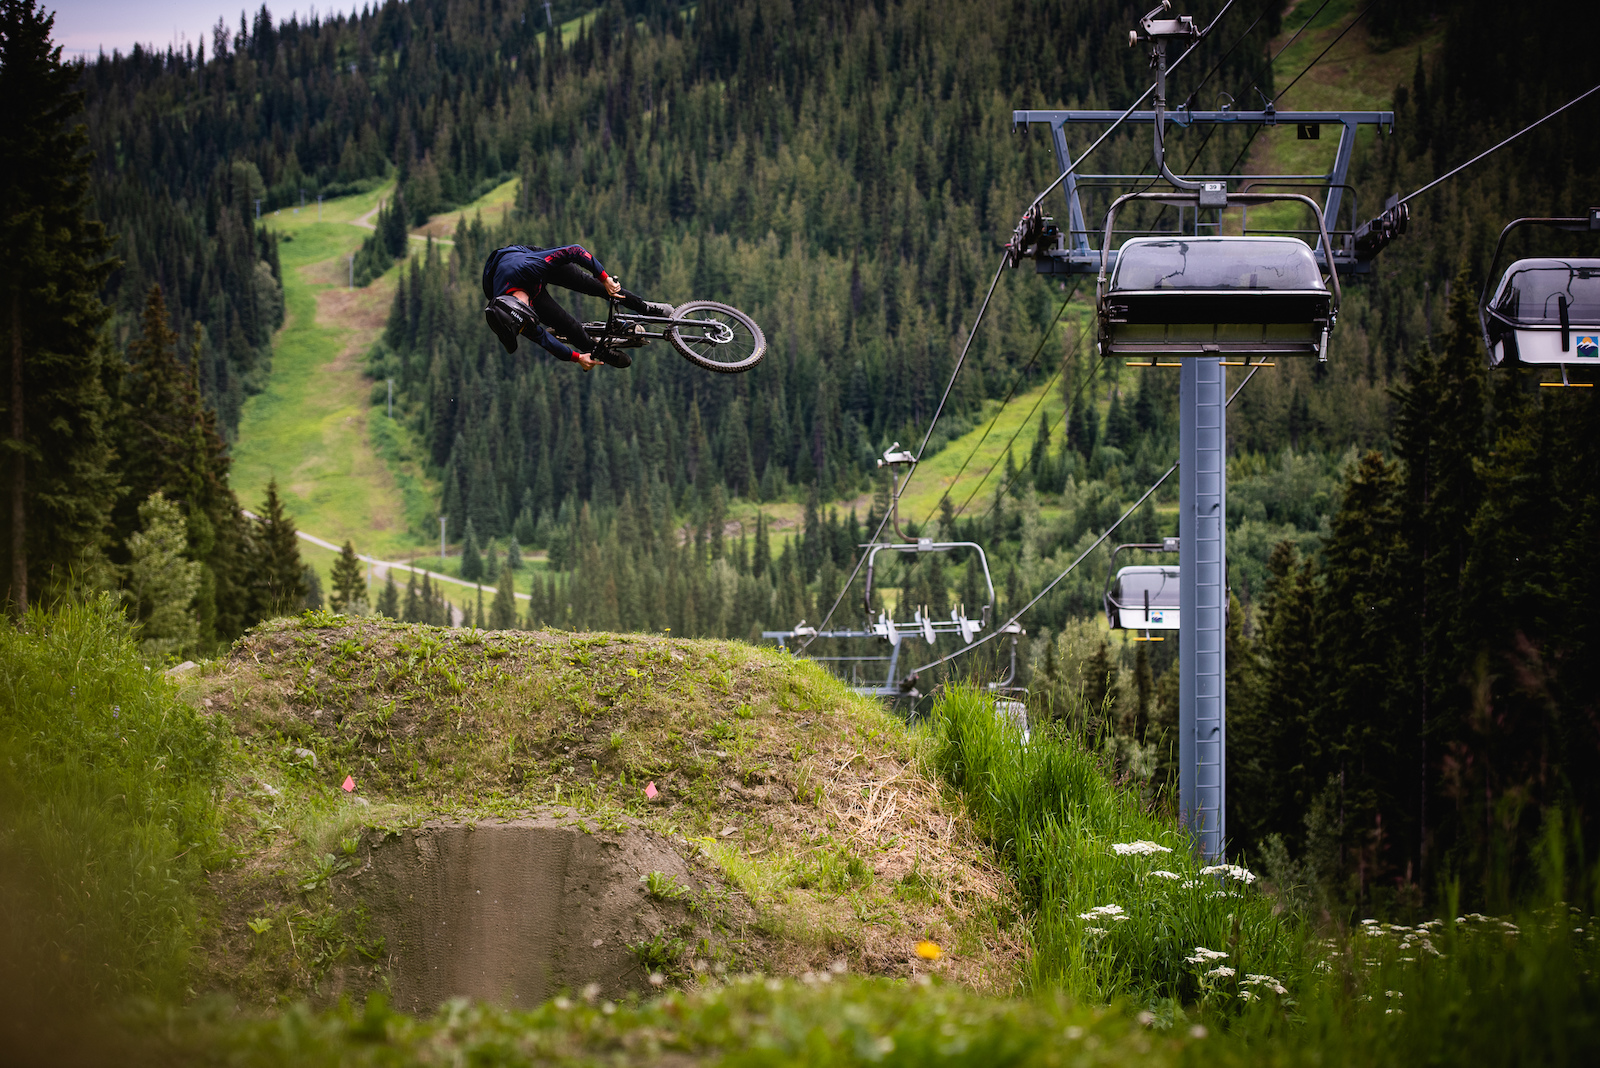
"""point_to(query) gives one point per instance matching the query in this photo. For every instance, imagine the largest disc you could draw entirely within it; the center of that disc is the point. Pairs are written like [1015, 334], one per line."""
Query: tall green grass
[1052, 810]
[106, 811]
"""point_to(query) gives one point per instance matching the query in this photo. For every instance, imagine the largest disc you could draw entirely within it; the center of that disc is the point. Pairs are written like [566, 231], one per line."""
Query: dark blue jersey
[527, 269]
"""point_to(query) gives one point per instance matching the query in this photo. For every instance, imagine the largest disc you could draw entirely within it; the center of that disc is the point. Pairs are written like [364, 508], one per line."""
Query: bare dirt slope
[639, 805]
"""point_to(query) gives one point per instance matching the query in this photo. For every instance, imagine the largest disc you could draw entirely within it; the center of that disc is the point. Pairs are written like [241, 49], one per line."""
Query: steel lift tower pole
[1203, 601]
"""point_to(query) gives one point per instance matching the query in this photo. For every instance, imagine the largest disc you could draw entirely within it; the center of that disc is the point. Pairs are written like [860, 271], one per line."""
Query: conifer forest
[1413, 659]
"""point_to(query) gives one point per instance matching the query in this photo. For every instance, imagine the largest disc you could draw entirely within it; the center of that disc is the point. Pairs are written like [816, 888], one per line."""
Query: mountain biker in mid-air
[514, 281]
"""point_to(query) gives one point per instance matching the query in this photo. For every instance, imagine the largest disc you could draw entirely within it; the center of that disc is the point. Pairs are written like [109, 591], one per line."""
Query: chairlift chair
[1240, 298]
[1143, 597]
[1545, 311]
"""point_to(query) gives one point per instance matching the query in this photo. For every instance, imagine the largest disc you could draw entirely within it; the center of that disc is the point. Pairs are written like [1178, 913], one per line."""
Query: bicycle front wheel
[719, 338]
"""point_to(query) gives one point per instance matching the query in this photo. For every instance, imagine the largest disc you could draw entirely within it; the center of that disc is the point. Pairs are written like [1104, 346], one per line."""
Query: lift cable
[1072, 566]
[917, 456]
[1016, 380]
[1502, 144]
[1218, 64]
[984, 307]
[1279, 94]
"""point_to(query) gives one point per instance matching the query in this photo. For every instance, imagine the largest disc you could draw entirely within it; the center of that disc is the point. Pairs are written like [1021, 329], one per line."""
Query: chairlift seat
[1143, 597]
[1546, 312]
[1215, 296]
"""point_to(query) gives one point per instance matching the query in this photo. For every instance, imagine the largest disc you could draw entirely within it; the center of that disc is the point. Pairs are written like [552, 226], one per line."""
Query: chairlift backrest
[1228, 296]
[1142, 596]
[926, 545]
[1545, 311]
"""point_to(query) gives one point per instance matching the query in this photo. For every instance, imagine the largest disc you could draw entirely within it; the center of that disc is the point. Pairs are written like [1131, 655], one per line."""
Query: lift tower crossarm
[1072, 252]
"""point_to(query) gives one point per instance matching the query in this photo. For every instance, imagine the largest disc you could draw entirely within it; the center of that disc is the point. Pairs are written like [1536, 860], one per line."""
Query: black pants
[560, 321]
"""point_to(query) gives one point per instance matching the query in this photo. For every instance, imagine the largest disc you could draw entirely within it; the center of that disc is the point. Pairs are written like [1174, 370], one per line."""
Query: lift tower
[1207, 315]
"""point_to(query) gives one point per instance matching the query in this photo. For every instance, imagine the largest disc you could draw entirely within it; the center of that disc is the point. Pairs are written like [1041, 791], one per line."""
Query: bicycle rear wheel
[721, 338]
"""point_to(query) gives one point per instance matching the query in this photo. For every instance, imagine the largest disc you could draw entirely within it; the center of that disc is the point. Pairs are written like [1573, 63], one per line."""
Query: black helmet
[507, 316]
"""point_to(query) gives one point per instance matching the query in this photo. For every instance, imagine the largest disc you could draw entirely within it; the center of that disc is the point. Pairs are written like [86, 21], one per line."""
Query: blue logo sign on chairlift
[1589, 346]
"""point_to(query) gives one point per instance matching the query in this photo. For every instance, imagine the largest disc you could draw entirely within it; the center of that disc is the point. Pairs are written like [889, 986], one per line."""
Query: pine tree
[54, 407]
[313, 584]
[514, 555]
[761, 558]
[471, 562]
[1274, 768]
[162, 581]
[167, 442]
[1362, 721]
[389, 599]
[279, 576]
[503, 611]
[429, 610]
[414, 611]
[349, 584]
[479, 619]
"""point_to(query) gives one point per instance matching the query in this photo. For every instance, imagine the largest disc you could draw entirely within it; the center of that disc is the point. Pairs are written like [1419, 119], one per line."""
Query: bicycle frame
[609, 333]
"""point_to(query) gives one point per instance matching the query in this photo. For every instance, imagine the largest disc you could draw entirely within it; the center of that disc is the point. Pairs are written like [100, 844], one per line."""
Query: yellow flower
[929, 950]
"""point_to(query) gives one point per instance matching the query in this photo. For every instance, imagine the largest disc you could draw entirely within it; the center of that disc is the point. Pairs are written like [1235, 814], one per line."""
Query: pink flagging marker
[349, 783]
[650, 790]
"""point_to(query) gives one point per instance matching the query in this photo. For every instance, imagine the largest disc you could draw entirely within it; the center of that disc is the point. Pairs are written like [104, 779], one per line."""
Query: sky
[86, 27]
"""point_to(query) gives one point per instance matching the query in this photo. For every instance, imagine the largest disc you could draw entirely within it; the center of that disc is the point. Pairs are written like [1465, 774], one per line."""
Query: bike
[714, 336]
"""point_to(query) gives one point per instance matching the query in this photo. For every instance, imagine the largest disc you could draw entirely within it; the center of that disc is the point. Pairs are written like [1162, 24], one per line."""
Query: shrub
[107, 809]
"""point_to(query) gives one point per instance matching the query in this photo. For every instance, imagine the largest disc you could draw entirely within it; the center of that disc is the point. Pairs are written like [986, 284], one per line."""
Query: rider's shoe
[609, 355]
[656, 308]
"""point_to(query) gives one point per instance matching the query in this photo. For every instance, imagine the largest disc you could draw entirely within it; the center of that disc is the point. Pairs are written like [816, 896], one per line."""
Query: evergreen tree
[1362, 720]
[389, 599]
[279, 577]
[514, 555]
[414, 611]
[471, 562]
[349, 583]
[168, 443]
[162, 581]
[313, 584]
[503, 611]
[1271, 765]
[429, 610]
[479, 619]
[761, 557]
[54, 407]
[1440, 438]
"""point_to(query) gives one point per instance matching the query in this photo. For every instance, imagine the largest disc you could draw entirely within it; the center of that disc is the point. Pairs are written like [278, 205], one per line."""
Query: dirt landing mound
[514, 912]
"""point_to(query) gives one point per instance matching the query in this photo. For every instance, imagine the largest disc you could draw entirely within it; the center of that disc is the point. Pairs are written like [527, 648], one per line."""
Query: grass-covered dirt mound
[811, 833]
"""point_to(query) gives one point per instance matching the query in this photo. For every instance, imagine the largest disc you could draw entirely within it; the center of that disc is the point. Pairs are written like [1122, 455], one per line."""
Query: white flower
[1104, 912]
[1247, 995]
[1267, 981]
[1141, 849]
[1092, 931]
[1221, 971]
[1202, 955]
[1230, 871]
[1160, 874]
